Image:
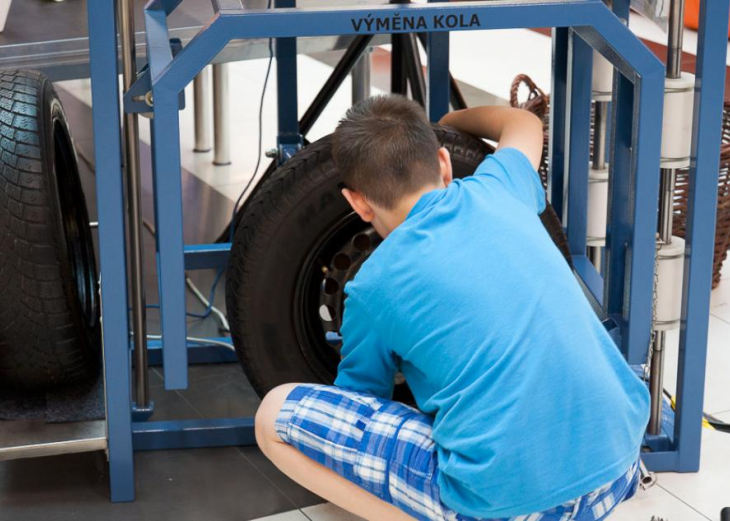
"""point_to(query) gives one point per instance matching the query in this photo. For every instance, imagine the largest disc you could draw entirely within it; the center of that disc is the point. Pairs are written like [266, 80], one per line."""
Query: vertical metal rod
[203, 116]
[666, 214]
[131, 162]
[222, 116]
[675, 39]
[600, 121]
[361, 78]
[656, 383]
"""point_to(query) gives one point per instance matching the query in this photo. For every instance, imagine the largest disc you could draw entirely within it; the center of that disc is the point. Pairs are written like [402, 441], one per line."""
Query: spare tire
[49, 308]
[297, 244]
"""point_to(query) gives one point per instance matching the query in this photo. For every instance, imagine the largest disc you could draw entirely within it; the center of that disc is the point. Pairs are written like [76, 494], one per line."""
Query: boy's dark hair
[385, 149]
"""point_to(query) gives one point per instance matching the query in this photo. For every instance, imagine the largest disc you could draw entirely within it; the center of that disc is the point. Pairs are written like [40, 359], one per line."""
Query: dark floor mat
[80, 402]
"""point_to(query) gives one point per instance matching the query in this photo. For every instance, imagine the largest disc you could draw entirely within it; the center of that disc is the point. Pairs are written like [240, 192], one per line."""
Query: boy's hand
[510, 127]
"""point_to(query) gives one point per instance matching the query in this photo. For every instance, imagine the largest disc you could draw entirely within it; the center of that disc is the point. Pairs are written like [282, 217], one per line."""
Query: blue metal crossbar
[579, 27]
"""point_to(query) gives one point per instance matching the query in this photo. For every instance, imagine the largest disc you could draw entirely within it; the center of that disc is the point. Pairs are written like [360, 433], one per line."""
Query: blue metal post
[110, 203]
[558, 127]
[439, 81]
[580, 72]
[165, 129]
[700, 232]
[289, 139]
[618, 231]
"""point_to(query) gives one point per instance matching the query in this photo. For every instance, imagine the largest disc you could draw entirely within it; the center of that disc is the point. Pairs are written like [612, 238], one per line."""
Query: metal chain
[654, 303]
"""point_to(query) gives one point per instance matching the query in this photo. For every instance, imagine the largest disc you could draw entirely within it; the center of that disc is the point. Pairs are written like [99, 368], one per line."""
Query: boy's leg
[310, 474]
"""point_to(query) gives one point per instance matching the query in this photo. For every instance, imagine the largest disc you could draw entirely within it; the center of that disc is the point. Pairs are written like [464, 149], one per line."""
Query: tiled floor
[239, 483]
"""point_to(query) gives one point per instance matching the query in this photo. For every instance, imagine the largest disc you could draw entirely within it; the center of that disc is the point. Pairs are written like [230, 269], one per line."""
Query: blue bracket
[142, 414]
[288, 146]
[138, 99]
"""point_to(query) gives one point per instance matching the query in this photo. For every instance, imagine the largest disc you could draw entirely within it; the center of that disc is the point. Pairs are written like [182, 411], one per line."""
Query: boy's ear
[447, 173]
[359, 204]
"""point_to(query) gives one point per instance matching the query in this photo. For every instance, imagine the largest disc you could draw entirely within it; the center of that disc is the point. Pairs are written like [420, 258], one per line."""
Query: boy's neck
[391, 219]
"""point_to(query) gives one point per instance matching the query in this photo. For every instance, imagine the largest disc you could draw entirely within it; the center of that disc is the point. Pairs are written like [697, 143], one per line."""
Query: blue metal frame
[579, 26]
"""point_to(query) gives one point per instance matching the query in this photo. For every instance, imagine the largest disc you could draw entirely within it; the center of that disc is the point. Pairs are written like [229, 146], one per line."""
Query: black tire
[49, 310]
[295, 247]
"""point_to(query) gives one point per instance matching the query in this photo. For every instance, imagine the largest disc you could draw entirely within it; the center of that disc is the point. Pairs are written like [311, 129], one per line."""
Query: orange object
[692, 14]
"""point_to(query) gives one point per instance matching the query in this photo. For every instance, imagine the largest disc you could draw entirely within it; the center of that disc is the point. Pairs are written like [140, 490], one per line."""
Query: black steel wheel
[49, 307]
[296, 246]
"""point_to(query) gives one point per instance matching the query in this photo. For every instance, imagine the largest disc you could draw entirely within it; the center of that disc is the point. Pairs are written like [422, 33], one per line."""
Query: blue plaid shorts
[386, 448]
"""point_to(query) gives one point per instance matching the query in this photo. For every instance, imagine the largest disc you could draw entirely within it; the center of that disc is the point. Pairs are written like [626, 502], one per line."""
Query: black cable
[232, 224]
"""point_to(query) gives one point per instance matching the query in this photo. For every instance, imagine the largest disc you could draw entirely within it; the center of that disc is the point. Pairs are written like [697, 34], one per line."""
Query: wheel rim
[319, 300]
[75, 224]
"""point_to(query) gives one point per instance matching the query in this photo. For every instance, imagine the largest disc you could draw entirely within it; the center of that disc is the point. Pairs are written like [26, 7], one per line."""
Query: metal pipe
[600, 121]
[131, 163]
[656, 383]
[666, 204]
[414, 68]
[361, 78]
[222, 116]
[201, 93]
[666, 215]
[675, 39]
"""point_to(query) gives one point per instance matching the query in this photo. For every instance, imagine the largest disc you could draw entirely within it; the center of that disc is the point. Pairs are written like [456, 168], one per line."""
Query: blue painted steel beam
[204, 256]
[157, 36]
[591, 278]
[112, 253]
[168, 188]
[437, 70]
[437, 104]
[557, 174]
[197, 353]
[611, 37]
[577, 145]
[700, 232]
[194, 434]
[289, 138]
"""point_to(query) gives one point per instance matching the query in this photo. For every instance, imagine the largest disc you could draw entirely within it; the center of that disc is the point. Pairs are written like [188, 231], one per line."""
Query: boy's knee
[267, 413]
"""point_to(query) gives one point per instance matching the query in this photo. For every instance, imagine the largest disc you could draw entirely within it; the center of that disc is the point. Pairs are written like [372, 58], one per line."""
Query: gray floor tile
[189, 485]
[300, 496]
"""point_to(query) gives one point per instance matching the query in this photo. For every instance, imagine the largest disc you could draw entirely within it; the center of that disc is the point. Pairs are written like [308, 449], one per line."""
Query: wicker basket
[538, 103]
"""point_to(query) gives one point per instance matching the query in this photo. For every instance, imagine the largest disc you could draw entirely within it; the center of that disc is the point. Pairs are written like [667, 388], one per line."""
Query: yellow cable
[706, 424]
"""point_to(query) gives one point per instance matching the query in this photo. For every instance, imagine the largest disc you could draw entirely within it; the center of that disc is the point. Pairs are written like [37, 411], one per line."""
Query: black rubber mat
[81, 402]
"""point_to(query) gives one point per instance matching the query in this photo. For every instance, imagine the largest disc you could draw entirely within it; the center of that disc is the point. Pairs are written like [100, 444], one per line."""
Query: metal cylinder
[131, 163]
[656, 383]
[666, 204]
[361, 78]
[221, 116]
[600, 121]
[666, 215]
[675, 39]
[203, 116]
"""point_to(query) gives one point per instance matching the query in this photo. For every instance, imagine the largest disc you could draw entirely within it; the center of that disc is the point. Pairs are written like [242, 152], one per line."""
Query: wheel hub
[342, 268]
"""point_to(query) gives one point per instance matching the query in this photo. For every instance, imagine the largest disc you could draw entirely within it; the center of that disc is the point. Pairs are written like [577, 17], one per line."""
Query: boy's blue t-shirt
[469, 298]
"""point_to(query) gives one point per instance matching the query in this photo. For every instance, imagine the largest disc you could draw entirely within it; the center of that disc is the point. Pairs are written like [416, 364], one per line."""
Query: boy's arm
[367, 366]
[510, 127]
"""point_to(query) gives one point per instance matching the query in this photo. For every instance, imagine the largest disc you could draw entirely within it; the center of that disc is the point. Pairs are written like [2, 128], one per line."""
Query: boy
[526, 408]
